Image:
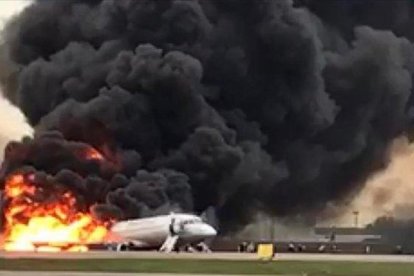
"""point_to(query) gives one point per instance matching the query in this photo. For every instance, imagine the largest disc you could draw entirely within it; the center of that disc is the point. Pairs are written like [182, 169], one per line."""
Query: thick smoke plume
[242, 106]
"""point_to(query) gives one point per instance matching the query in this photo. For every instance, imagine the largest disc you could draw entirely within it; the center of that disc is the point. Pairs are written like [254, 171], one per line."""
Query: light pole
[356, 214]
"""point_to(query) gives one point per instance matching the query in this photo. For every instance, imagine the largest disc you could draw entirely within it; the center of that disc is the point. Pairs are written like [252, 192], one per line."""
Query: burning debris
[141, 107]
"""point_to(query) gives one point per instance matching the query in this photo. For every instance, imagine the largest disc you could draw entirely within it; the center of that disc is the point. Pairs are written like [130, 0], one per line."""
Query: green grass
[211, 266]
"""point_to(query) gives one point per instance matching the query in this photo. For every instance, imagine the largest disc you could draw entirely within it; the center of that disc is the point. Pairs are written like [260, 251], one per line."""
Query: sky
[8, 8]
[12, 122]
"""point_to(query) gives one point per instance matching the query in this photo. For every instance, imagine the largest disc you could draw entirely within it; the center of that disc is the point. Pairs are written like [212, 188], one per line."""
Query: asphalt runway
[38, 273]
[210, 256]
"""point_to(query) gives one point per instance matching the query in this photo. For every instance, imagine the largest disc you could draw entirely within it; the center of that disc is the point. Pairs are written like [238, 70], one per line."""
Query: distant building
[347, 234]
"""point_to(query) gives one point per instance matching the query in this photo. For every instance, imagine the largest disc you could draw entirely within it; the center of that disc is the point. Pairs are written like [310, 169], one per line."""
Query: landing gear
[204, 247]
[200, 247]
[122, 247]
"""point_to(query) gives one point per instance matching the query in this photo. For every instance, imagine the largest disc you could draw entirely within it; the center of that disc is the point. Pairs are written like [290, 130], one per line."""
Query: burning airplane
[145, 107]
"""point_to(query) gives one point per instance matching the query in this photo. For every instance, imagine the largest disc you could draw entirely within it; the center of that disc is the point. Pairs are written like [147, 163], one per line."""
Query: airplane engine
[123, 246]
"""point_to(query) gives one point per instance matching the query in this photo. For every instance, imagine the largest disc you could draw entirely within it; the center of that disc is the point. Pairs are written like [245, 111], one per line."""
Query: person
[321, 248]
[250, 247]
[332, 237]
[242, 247]
[398, 249]
[171, 227]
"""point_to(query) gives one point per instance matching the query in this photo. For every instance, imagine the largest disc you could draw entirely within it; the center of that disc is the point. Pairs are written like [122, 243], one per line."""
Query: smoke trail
[240, 105]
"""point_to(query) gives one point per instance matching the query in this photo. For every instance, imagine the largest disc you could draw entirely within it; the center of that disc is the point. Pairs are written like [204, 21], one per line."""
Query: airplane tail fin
[209, 215]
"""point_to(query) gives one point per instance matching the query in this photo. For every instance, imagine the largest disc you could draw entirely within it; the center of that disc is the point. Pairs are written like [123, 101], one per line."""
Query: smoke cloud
[240, 106]
[387, 193]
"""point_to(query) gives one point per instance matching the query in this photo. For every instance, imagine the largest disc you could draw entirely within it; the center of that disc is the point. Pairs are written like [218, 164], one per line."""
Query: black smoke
[243, 106]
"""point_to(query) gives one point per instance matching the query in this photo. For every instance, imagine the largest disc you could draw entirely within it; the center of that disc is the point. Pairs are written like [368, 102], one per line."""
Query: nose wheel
[204, 247]
[200, 247]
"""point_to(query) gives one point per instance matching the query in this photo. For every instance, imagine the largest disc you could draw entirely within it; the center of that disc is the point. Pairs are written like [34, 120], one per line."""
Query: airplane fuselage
[152, 232]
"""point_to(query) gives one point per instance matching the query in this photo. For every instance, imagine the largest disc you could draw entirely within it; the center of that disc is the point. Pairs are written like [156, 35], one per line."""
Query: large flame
[54, 225]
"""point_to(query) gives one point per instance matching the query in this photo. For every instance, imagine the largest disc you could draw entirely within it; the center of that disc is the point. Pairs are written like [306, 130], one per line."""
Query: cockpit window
[191, 221]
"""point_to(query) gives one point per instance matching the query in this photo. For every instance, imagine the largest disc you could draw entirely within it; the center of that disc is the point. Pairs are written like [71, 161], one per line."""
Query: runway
[39, 273]
[209, 256]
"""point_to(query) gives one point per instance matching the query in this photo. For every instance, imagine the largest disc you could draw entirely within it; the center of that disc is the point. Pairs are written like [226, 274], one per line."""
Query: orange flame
[93, 154]
[52, 226]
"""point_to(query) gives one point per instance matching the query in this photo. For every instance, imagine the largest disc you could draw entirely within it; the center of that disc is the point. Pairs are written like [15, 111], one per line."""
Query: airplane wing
[128, 245]
[114, 239]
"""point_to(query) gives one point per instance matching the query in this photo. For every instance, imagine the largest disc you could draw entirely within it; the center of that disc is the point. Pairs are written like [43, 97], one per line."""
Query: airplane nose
[209, 231]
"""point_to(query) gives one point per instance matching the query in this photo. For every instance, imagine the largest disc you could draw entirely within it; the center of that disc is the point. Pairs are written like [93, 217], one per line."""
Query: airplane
[165, 232]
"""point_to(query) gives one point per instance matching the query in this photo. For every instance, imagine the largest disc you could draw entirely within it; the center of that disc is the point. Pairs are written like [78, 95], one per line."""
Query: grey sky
[12, 122]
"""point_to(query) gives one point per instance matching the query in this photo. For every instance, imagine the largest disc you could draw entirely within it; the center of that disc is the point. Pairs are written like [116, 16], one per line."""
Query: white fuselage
[153, 231]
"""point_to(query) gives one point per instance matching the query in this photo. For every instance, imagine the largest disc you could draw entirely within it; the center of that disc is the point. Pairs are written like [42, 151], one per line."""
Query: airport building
[301, 239]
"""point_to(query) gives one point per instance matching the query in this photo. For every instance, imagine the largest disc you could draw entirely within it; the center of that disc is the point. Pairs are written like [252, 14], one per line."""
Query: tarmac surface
[38, 273]
[210, 256]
